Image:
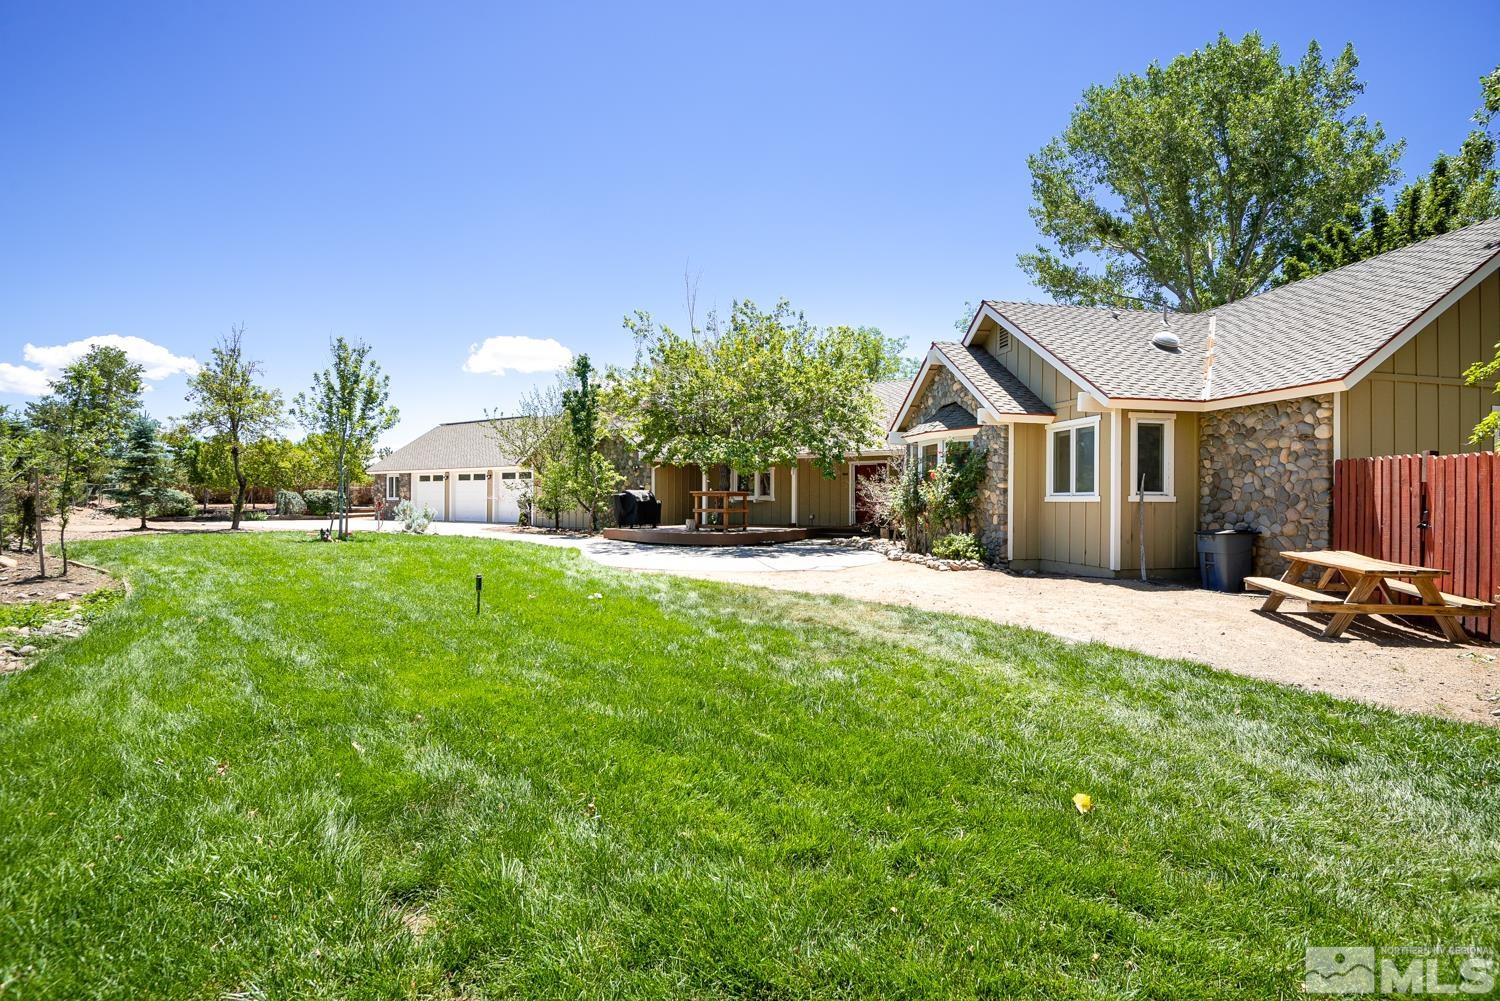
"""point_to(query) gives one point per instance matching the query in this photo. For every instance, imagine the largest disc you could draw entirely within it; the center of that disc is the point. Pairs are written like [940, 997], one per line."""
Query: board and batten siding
[1416, 401]
[822, 500]
[1171, 542]
[1062, 537]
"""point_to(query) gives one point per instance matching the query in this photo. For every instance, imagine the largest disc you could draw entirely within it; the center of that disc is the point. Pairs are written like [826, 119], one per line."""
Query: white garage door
[469, 491]
[508, 496]
[427, 491]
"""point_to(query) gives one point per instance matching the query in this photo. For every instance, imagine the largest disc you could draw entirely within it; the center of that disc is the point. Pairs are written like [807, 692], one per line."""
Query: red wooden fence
[1432, 510]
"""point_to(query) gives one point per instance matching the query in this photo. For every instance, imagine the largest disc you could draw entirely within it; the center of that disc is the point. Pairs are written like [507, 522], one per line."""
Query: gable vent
[1002, 341]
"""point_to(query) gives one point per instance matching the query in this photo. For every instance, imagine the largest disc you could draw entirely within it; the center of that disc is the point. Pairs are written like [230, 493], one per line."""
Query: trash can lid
[1232, 531]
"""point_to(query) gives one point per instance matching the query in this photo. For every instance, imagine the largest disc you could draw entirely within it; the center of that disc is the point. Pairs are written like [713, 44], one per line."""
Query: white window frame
[1168, 492]
[393, 486]
[755, 495]
[1067, 427]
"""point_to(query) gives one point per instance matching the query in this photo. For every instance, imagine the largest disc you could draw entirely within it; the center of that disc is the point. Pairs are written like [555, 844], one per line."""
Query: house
[460, 472]
[791, 494]
[1106, 430]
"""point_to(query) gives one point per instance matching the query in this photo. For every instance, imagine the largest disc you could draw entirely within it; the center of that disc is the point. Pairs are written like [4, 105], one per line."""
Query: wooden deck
[676, 535]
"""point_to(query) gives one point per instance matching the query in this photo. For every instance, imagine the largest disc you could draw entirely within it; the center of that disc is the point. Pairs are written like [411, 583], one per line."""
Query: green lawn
[281, 768]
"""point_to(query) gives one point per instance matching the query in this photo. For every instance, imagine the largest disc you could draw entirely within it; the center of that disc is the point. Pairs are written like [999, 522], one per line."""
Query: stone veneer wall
[1269, 467]
[989, 518]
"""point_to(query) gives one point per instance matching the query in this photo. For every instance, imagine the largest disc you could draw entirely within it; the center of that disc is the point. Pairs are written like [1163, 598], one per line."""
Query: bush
[254, 516]
[175, 504]
[320, 502]
[290, 502]
[958, 546]
[413, 520]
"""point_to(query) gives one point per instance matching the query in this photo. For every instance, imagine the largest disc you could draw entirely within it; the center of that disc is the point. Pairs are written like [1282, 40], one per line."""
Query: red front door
[863, 515]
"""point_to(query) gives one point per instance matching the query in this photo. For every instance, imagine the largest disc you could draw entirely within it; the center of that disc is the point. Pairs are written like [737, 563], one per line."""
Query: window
[929, 457]
[1151, 457]
[392, 487]
[759, 485]
[1073, 460]
[424, 478]
[507, 476]
[463, 476]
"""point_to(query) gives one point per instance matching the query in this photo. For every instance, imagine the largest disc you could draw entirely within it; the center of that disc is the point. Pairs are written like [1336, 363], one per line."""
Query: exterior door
[469, 496]
[508, 490]
[427, 491]
[864, 473]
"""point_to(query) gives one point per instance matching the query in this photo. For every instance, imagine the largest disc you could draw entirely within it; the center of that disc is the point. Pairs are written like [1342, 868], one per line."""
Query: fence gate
[1432, 510]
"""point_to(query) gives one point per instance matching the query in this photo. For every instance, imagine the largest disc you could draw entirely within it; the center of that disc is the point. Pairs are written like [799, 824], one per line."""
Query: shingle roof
[1315, 330]
[460, 445]
[891, 393]
[950, 417]
[999, 388]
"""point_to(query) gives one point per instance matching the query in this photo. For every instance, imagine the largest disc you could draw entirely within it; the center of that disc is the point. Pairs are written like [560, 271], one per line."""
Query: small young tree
[228, 400]
[142, 471]
[592, 478]
[349, 402]
[537, 435]
[79, 421]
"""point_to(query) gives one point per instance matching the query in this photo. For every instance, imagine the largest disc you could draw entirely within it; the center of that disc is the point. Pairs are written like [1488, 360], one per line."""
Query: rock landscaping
[893, 550]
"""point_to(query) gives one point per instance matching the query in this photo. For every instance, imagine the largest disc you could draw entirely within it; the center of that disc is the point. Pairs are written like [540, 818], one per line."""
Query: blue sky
[428, 176]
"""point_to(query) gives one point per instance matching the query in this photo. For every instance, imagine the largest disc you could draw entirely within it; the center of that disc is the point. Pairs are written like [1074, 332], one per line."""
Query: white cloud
[23, 380]
[157, 360]
[498, 355]
[50, 359]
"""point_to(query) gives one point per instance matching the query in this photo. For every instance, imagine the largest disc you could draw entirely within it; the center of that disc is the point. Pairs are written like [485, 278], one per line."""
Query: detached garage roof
[460, 445]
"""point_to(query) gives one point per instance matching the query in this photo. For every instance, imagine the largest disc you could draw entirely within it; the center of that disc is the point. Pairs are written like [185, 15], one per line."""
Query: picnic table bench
[1355, 584]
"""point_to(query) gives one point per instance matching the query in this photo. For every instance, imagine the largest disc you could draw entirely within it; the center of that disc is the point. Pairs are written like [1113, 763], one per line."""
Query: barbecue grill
[637, 507]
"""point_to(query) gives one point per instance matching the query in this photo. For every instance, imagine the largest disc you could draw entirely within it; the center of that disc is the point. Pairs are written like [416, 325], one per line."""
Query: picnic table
[1355, 584]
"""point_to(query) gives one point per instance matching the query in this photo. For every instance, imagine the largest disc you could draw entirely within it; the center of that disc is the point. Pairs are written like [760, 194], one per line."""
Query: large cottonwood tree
[1189, 184]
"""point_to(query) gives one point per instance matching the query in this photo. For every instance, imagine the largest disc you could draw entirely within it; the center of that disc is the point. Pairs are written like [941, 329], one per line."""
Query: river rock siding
[989, 517]
[1269, 467]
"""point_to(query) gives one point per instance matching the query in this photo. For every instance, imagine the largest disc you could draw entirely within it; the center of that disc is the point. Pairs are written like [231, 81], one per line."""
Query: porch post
[796, 464]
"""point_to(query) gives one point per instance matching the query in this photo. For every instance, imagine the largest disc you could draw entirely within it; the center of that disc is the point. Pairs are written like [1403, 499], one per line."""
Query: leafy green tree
[894, 361]
[1456, 192]
[18, 450]
[591, 477]
[537, 435]
[228, 400]
[752, 393]
[350, 404]
[143, 471]
[82, 417]
[1192, 183]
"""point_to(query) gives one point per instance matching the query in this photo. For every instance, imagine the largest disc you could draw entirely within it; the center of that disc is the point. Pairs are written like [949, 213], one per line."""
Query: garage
[469, 496]
[427, 491]
[508, 497]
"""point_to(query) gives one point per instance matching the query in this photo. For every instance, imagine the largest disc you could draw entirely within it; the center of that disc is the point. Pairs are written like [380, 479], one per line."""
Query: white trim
[854, 481]
[935, 356]
[1168, 494]
[392, 479]
[1010, 493]
[653, 482]
[1047, 356]
[1114, 495]
[1067, 427]
[756, 496]
[796, 464]
[1338, 426]
[927, 437]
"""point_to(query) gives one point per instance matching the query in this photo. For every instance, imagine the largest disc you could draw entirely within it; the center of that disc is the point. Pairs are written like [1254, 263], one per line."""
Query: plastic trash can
[1225, 559]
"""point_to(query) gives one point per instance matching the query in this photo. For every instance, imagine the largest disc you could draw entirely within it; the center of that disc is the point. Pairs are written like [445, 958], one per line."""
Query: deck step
[1285, 589]
[1473, 605]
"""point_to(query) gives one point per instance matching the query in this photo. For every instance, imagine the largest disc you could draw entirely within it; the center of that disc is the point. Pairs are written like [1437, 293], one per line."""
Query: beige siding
[822, 500]
[1416, 400]
[672, 486]
[1170, 542]
[777, 511]
[1054, 388]
[1028, 473]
